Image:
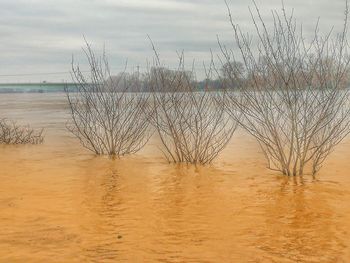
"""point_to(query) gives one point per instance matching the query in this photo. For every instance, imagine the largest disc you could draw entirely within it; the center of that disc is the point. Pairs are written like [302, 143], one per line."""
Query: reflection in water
[301, 224]
[59, 203]
[102, 206]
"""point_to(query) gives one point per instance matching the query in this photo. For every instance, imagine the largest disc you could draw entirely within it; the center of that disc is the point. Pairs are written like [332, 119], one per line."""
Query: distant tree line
[232, 76]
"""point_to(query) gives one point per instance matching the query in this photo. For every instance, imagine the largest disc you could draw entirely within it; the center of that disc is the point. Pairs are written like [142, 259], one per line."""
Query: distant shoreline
[42, 87]
[36, 84]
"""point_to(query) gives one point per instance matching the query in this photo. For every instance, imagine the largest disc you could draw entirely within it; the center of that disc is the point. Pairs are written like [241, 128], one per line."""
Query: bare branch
[109, 113]
[291, 95]
[11, 133]
[192, 124]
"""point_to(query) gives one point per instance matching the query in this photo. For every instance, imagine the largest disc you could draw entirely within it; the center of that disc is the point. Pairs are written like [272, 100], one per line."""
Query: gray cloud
[41, 35]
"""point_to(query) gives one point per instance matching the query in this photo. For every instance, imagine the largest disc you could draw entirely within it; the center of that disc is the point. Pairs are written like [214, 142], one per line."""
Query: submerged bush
[11, 133]
[106, 117]
[293, 94]
[192, 124]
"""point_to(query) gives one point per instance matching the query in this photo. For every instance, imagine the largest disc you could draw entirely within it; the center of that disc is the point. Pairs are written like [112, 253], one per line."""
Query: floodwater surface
[60, 203]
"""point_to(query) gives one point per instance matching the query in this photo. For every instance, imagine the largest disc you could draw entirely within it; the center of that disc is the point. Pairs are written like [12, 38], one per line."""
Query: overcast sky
[40, 36]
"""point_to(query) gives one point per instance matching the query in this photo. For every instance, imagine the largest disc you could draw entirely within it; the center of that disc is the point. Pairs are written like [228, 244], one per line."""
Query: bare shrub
[294, 98]
[192, 124]
[106, 117]
[11, 133]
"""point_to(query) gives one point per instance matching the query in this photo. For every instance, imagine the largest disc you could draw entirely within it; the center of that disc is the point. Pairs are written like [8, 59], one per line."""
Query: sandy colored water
[59, 203]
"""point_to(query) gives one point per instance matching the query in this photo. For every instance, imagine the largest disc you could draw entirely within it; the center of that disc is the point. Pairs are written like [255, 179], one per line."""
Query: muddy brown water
[60, 203]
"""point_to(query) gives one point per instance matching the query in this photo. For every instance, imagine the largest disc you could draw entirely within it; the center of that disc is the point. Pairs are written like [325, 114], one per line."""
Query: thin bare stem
[289, 93]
